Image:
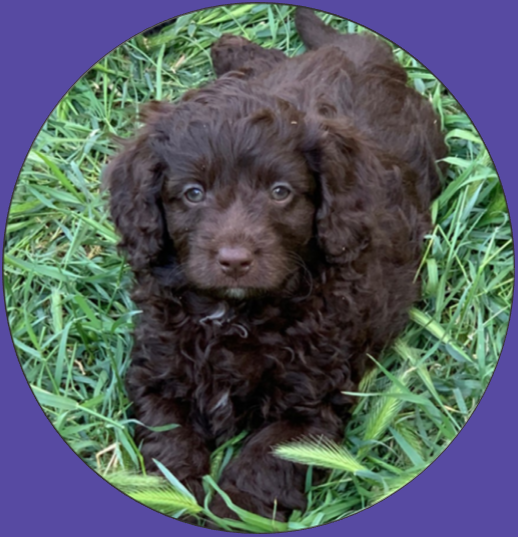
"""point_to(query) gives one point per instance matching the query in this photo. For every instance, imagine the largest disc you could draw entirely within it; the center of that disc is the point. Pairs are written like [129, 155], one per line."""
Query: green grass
[71, 317]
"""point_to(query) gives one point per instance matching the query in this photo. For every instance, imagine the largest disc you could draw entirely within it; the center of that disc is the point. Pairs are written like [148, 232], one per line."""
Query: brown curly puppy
[274, 222]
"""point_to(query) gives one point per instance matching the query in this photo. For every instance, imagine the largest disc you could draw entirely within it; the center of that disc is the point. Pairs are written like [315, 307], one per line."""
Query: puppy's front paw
[265, 486]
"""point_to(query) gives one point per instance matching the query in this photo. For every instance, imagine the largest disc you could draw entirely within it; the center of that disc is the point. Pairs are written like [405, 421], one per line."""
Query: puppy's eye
[194, 194]
[280, 193]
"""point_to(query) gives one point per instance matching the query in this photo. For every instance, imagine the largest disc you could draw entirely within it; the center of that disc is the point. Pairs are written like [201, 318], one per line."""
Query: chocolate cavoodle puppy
[274, 222]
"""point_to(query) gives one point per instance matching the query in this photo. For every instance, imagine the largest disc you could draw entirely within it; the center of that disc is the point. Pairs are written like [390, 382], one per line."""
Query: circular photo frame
[71, 317]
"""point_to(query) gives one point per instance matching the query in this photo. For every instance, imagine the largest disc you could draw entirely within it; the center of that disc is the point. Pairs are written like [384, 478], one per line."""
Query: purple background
[46, 47]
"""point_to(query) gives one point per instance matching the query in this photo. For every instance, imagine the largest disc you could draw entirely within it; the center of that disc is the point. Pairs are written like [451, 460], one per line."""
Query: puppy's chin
[288, 288]
[237, 293]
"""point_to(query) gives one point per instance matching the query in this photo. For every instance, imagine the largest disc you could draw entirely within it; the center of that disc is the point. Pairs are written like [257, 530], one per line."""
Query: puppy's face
[238, 201]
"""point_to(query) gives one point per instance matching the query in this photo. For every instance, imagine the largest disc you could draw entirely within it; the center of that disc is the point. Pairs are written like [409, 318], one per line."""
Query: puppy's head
[224, 202]
[229, 199]
[239, 201]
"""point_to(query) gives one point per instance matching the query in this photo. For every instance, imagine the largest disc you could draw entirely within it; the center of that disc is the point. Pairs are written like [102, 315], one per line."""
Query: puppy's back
[380, 102]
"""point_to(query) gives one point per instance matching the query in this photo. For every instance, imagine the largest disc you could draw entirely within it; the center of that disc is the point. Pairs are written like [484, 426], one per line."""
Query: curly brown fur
[274, 222]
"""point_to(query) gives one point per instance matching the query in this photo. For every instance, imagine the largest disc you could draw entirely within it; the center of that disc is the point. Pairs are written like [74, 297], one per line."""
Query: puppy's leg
[232, 53]
[360, 48]
[262, 483]
[181, 450]
[312, 30]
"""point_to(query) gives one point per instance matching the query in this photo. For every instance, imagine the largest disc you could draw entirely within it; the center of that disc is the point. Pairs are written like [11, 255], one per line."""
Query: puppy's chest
[229, 386]
[235, 369]
[229, 359]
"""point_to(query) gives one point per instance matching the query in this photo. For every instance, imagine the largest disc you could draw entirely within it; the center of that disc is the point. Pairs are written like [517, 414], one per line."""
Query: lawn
[67, 289]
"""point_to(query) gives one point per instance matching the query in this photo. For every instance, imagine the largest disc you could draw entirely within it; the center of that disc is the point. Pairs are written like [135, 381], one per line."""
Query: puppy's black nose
[235, 262]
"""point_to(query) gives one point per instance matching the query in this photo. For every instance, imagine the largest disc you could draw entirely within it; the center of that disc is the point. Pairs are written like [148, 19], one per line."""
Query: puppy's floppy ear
[134, 179]
[346, 172]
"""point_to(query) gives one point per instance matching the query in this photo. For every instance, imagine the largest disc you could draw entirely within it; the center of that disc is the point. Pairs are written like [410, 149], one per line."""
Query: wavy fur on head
[274, 222]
